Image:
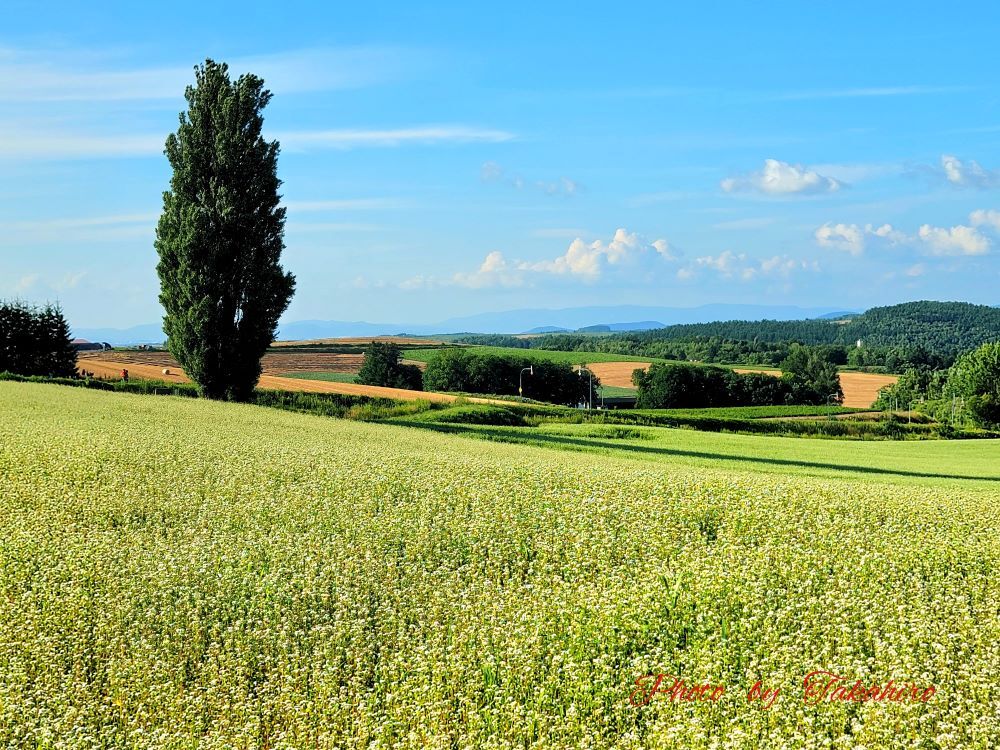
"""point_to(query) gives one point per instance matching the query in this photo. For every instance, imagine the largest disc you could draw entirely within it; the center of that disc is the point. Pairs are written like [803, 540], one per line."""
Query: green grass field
[575, 358]
[176, 573]
[754, 412]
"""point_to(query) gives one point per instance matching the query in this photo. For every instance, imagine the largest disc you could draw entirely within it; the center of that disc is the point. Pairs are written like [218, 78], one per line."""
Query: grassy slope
[925, 462]
[753, 412]
[425, 355]
[221, 575]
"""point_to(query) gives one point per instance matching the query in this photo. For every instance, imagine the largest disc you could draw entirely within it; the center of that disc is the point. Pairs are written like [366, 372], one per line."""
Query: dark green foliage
[480, 414]
[670, 386]
[811, 378]
[35, 341]
[220, 236]
[464, 371]
[807, 379]
[976, 379]
[383, 366]
[914, 386]
[914, 334]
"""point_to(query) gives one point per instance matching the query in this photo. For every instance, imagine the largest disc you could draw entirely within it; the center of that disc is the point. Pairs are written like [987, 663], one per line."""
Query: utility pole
[520, 379]
[590, 391]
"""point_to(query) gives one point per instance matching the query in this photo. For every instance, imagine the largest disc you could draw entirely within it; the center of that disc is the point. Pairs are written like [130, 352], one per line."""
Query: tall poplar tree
[221, 234]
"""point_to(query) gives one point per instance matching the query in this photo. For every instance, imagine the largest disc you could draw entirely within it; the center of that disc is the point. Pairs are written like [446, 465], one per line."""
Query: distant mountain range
[535, 320]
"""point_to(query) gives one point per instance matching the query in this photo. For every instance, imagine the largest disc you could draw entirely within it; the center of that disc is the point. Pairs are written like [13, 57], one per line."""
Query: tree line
[893, 339]
[971, 385]
[806, 378]
[466, 371]
[35, 340]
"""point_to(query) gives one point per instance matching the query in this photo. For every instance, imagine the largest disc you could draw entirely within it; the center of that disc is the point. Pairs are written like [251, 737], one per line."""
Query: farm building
[82, 345]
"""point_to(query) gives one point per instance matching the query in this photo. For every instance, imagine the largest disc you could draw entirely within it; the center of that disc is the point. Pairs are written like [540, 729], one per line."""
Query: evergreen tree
[35, 341]
[220, 236]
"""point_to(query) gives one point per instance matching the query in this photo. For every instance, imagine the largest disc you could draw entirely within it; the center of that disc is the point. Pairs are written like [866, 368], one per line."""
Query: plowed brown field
[860, 388]
[272, 364]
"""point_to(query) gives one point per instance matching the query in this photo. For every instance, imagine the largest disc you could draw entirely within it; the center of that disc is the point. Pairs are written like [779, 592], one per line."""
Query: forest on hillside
[926, 334]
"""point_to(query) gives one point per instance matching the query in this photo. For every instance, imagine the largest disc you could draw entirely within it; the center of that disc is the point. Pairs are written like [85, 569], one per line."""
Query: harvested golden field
[750, 370]
[618, 374]
[861, 388]
[107, 368]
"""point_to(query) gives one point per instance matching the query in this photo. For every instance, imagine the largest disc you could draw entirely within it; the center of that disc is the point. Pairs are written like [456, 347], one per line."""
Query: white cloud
[847, 237]
[730, 265]
[916, 270]
[37, 284]
[86, 221]
[781, 178]
[959, 240]
[589, 262]
[493, 172]
[54, 76]
[26, 282]
[853, 239]
[28, 142]
[968, 173]
[79, 229]
[493, 271]
[346, 139]
[985, 218]
[886, 232]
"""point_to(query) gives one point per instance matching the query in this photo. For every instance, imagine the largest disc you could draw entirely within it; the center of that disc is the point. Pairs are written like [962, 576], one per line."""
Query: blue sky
[447, 159]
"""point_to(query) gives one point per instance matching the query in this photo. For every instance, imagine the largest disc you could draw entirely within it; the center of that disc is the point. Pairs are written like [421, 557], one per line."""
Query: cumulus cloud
[495, 270]
[968, 173]
[847, 237]
[853, 239]
[985, 218]
[886, 232]
[730, 265]
[958, 240]
[781, 178]
[589, 262]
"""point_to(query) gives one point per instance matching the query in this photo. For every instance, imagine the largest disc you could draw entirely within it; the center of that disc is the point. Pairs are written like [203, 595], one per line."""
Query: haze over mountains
[615, 318]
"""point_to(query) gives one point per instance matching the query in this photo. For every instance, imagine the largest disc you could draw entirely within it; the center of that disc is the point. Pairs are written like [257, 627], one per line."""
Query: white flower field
[176, 573]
